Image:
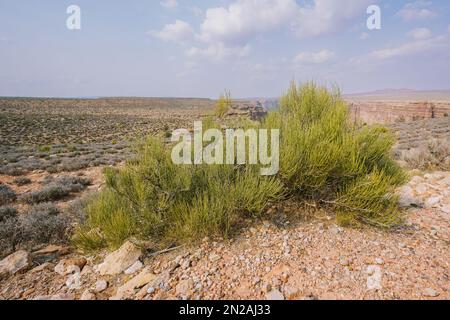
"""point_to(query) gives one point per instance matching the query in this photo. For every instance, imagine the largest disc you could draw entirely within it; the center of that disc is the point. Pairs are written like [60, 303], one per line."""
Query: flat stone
[374, 279]
[143, 278]
[274, 295]
[67, 266]
[120, 260]
[430, 292]
[137, 266]
[50, 253]
[17, 262]
[100, 286]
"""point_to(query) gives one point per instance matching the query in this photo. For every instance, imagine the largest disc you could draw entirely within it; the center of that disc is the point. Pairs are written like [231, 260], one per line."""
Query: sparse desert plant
[44, 224]
[21, 181]
[10, 234]
[7, 212]
[40, 225]
[223, 104]
[432, 154]
[7, 195]
[56, 189]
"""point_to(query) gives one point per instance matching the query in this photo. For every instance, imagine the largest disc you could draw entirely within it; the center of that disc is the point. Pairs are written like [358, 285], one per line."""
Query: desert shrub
[326, 158]
[223, 104]
[7, 212]
[22, 181]
[10, 235]
[42, 224]
[7, 195]
[44, 149]
[152, 198]
[433, 154]
[56, 189]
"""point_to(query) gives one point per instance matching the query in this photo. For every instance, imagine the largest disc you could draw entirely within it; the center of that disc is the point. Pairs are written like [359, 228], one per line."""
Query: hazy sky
[199, 48]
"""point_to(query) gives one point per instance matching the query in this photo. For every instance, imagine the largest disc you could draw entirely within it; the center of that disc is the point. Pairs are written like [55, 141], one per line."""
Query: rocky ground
[309, 258]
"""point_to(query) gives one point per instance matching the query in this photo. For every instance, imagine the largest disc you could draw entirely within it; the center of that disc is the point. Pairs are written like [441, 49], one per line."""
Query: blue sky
[191, 48]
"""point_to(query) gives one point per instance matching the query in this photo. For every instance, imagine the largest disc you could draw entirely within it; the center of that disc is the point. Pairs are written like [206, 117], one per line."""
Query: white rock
[379, 261]
[120, 260]
[100, 286]
[374, 279]
[134, 268]
[274, 295]
[429, 292]
[17, 262]
[143, 278]
[407, 197]
[73, 281]
[432, 201]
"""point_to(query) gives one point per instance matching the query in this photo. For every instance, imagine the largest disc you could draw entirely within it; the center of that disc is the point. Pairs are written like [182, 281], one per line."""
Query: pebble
[430, 292]
[274, 295]
[100, 286]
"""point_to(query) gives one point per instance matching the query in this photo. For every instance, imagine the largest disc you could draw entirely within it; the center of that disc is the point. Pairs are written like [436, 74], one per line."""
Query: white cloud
[328, 16]
[179, 31]
[169, 4]
[244, 19]
[314, 57]
[218, 52]
[420, 33]
[418, 10]
[411, 48]
[229, 30]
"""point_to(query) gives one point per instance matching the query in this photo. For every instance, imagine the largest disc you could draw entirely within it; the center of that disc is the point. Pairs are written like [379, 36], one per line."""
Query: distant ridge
[401, 95]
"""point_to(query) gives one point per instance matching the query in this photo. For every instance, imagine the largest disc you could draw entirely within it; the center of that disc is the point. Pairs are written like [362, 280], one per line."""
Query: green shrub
[223, 104]
[152, 198]
[328, 158]
[324, 157]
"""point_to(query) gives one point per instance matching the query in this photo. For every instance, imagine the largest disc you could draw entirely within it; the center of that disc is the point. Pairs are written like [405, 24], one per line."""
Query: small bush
[223, 104]
[22, 181]
[7, 213]
[56, 190]
[7, 195]
[41, 225]
[433, 154]
[10, 235]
